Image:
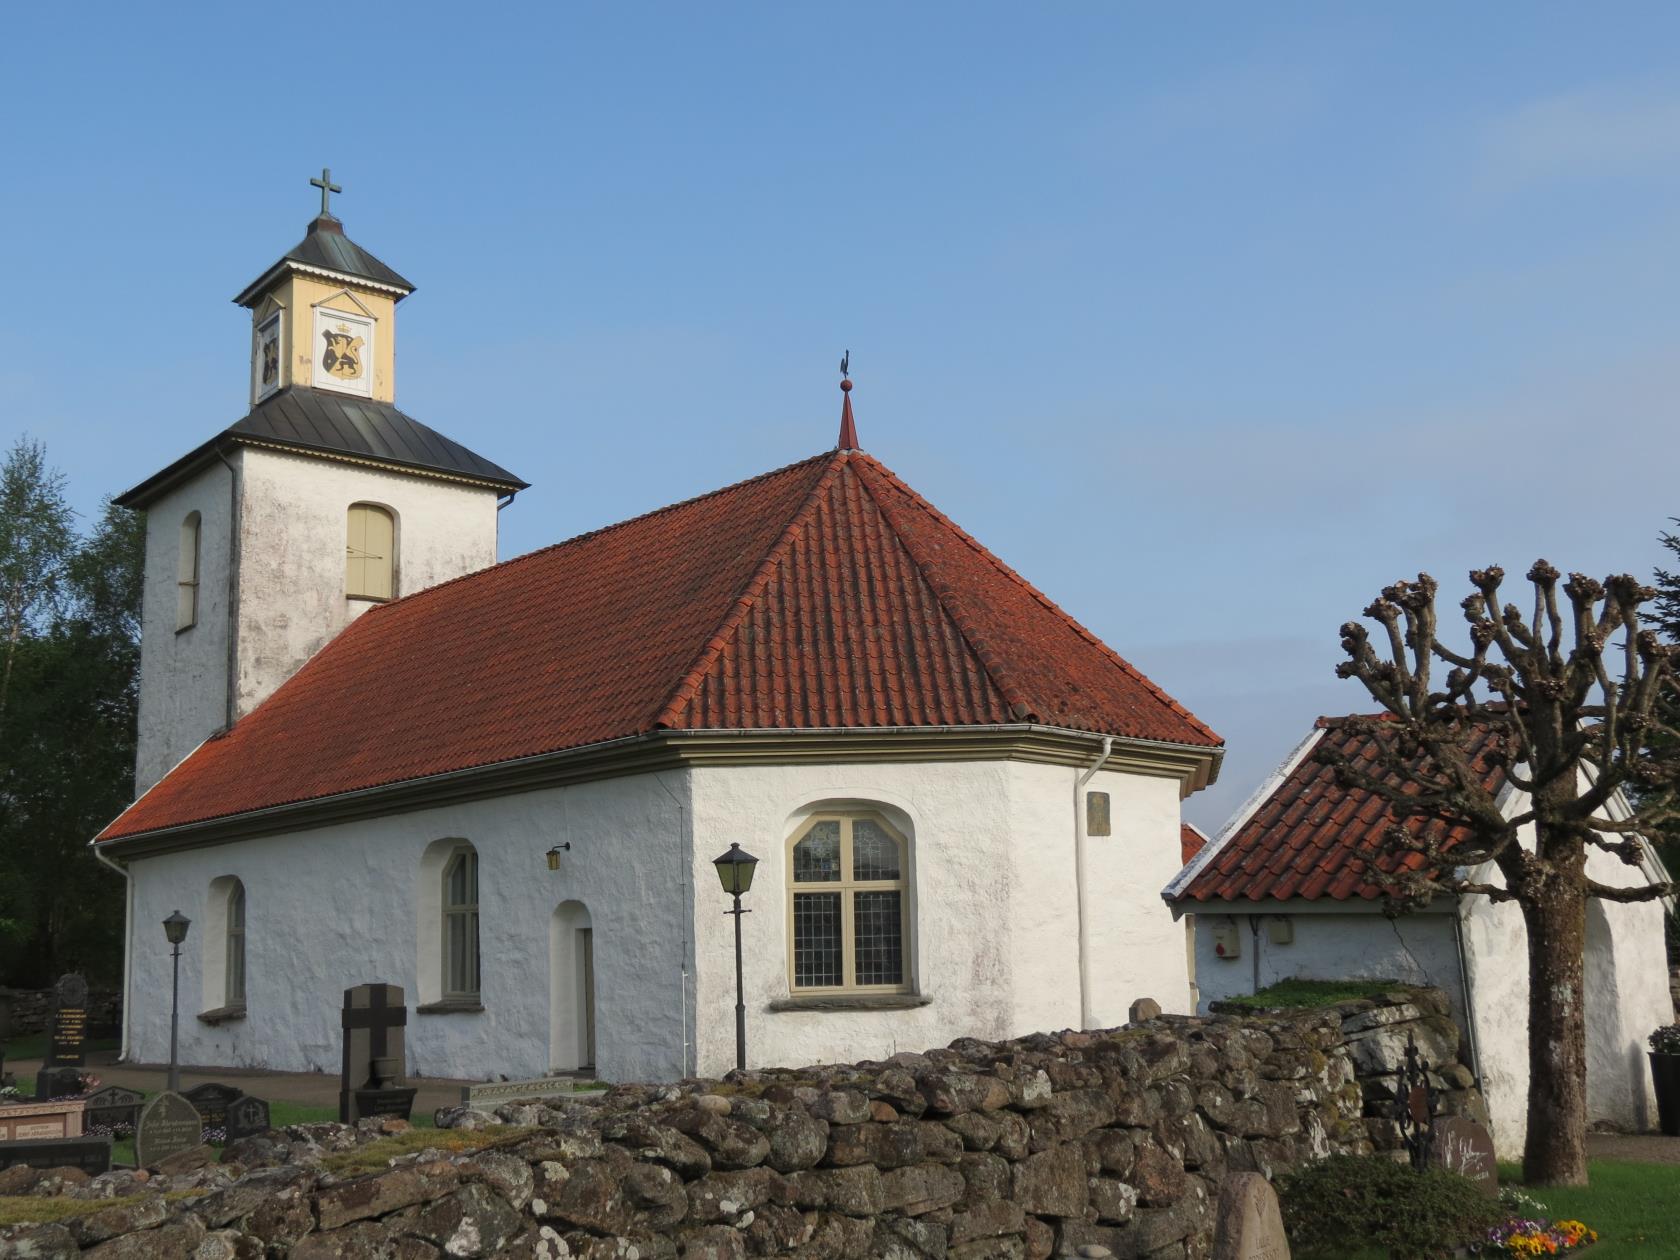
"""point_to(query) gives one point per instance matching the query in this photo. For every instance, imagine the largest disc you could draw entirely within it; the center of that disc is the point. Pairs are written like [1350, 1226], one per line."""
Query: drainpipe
[1085, 1016]
[232, 585]
[128, 945]
[1464, 988]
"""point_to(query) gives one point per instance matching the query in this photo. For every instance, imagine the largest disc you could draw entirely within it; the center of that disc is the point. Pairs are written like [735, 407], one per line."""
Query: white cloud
[1593, 133]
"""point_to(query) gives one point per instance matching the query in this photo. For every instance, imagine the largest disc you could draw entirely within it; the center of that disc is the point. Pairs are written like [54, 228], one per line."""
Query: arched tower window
[186, 583]
[370, 553]
[848, 894]
[460, 925]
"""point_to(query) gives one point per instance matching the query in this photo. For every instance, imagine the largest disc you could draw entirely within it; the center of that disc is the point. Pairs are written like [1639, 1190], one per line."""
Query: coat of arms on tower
[343, 355]
[270, 360]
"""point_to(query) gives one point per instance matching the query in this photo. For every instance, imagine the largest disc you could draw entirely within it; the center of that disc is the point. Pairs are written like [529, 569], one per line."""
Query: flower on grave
[90, 1082]
[10, 1091]
[1666, 1040]
[1525, 1237]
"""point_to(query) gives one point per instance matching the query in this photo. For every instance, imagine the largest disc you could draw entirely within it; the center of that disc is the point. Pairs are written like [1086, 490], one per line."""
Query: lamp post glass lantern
[175, 932]
[735, 872]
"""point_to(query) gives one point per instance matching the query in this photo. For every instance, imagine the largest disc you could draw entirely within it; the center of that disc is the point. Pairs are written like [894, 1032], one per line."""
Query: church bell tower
[321, 503]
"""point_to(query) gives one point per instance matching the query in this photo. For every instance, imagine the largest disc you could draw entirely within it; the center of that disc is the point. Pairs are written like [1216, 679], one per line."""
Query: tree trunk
[1555, 1153]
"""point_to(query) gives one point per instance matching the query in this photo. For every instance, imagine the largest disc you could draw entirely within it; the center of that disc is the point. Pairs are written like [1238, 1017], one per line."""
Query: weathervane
[328, 188]
[845, 365]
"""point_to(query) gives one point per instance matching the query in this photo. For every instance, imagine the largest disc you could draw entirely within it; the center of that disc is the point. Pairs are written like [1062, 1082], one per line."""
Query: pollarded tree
[1566, 701]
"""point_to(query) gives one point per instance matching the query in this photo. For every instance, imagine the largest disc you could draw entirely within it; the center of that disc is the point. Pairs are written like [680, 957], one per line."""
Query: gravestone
[1460, 1145]
[89, 1152]
[487, 1097]
[168, 1124]
[68, 1047]
[211, 1101]
[247, 1116]
[112, 1107]
[5, 1029]
[1250, 1224]
[374, 1019]
[40, 1119]
[58, 1082]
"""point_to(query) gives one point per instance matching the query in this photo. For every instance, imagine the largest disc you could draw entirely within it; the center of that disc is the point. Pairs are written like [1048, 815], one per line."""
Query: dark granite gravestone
[373, 1019]
[58, 1082]
[113, 1106]
[1460, 1145]
[90, 1152]
[5, 1029]
[68, 1048]
[168, 1124]
[211, 1101]
[1249, 1224]
[247, 1116]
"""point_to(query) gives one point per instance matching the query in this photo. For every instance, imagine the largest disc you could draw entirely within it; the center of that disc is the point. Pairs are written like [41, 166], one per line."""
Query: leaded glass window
[235, 995]
[847, 905]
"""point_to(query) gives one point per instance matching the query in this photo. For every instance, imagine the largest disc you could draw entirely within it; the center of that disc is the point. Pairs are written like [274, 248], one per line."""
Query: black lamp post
[735, 870]
[175, 928]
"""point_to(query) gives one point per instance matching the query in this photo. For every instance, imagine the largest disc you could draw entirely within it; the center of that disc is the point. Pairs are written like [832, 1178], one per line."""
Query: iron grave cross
[327, 187]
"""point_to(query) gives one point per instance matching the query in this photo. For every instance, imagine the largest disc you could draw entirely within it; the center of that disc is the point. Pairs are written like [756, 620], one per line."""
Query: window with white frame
[848, 905]
[186, 582]
[235, 974]
[460, 925]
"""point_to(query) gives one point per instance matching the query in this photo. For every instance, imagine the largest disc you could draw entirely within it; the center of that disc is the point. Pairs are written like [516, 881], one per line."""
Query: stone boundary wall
[1092, 1144]
[31, 1012]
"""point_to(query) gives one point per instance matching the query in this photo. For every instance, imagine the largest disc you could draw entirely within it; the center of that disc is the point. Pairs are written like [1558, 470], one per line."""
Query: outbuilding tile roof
[1312, 838]
[330, 423]
[1191, 841]
[827, 594]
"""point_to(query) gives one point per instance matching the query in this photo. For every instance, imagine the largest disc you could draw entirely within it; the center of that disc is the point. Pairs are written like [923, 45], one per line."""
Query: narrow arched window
[186, 582]
[236, 945]
[847, 904]
[460, 925]
[370, 553]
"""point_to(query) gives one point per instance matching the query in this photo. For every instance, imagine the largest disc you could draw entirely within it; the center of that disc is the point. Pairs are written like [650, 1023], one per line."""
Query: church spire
[848, 427]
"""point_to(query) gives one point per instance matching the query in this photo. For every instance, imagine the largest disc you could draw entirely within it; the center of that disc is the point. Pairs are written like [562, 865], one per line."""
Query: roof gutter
[128, 945]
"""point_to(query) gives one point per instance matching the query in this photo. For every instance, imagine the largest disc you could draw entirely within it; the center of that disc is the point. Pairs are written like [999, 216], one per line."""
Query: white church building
[368, 752]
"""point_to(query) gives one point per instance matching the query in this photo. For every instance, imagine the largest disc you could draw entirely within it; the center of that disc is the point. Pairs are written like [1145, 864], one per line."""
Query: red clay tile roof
[1310, 837]
[824, 594]
[1191, 840]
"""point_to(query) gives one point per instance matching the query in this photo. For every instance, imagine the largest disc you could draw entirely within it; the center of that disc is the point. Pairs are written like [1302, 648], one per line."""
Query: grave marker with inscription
[374, 1019]
[168, 1124]
[211, 1101]
[1460, 1145]
[1250, 1224]
[26, 1121]
[112, 1107]
[67, 1052]
[247, 1116]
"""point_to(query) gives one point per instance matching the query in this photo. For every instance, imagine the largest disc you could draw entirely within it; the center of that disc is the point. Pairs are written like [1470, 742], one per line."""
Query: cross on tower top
[327, 187]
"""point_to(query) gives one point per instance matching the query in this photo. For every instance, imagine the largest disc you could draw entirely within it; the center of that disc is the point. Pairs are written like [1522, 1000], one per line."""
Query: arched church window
[848, 905]
[370, 553]
[460, 925]
[186, 583]
[236, 945]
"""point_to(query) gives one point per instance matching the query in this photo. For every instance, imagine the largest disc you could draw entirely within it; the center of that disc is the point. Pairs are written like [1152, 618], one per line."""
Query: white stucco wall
[1337, 942]
[1626, 981]
[291, 575]
[994, 931]
[335, 907]
[183, 674]
[290, 599]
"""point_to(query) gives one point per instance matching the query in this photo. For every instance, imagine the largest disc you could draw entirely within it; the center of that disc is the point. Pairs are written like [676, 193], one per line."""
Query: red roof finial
[848, 427]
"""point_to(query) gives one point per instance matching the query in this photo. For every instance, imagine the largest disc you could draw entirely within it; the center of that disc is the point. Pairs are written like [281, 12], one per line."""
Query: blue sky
[1211, 321]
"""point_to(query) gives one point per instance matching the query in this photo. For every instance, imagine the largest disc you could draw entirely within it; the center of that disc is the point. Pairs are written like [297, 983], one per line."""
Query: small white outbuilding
[1296, 885]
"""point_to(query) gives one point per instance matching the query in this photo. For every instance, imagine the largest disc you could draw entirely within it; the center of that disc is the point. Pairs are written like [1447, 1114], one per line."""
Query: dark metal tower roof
[326, 248]
[336, 425]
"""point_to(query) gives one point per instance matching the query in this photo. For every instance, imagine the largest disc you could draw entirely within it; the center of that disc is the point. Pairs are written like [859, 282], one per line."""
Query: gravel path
[1641, 1148]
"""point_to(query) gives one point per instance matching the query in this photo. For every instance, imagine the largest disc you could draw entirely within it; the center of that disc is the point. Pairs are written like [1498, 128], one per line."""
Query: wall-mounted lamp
[554, 855]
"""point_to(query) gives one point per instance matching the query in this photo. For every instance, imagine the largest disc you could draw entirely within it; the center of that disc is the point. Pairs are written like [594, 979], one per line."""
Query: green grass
[375, 1155]
[1313, 993]
[28, 1208]
[1634, 1207]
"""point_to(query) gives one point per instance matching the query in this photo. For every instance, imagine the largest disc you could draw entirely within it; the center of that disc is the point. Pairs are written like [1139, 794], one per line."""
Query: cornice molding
[1193, 766]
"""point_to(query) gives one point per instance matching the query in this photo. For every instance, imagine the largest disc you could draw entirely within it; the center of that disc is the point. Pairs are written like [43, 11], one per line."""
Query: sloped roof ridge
[1126, 666]
[682, 695]
[503, 565]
